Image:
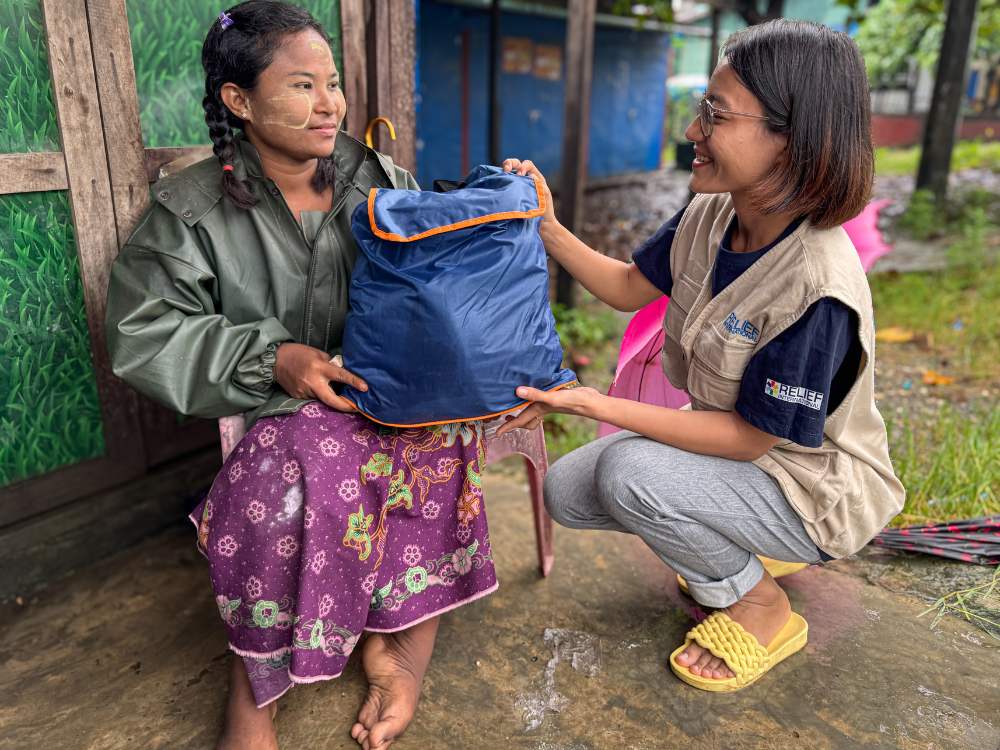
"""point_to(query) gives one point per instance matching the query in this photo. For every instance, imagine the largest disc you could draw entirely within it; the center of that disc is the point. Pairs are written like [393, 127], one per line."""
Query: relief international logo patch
[743, 328]
[793, 394]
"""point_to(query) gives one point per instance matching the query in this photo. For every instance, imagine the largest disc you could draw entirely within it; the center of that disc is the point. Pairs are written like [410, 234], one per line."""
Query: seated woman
[770, 330]
[230, 297]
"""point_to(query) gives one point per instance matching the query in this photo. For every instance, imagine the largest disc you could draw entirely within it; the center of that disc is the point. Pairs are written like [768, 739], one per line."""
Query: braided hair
[238, 53]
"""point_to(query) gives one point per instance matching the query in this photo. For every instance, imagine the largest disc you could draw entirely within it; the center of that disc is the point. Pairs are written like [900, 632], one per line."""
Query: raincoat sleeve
[406, 180]
[166, 336]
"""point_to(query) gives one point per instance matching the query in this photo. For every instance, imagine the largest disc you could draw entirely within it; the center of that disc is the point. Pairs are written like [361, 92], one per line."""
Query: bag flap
[489, 194]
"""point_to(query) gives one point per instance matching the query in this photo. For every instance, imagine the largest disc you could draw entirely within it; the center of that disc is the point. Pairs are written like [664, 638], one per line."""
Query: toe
[703, 661]
[715, 668]
[368, 714]
[385, 731]
[689, 655]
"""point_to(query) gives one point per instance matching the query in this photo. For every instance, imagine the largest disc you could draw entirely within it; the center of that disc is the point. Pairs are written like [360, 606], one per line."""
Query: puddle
[582, 652]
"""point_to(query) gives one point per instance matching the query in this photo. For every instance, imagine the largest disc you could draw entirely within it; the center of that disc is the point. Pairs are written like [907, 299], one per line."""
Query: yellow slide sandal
[777, 569]
[726, 639]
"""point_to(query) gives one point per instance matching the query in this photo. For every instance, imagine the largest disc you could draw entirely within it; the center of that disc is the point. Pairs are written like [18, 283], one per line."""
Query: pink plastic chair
[529, 443]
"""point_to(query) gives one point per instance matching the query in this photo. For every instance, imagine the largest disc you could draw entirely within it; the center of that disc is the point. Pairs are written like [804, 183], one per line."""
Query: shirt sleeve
[786, 387]
[652, 257]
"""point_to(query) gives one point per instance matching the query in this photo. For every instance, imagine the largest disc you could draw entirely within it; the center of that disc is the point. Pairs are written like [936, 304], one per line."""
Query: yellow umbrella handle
[371, 128]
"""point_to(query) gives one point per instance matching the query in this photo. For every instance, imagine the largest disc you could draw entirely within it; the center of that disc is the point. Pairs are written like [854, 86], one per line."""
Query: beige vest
[845, 491]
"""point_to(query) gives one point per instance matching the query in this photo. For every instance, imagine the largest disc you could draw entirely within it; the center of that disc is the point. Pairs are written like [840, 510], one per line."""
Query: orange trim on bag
[463, 419]
[381, 234]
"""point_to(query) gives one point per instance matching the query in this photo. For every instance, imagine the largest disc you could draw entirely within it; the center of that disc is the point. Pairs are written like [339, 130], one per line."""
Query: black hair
[812, 85]
[238, 54]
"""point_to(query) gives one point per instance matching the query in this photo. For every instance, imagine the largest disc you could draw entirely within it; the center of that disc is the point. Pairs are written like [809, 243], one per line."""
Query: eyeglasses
[707, 112]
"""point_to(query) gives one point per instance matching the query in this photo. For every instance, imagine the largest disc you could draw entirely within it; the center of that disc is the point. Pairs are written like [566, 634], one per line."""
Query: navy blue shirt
[793, 382]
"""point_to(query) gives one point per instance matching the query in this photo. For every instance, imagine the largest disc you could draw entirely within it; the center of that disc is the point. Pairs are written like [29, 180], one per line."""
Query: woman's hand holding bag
[306, 372]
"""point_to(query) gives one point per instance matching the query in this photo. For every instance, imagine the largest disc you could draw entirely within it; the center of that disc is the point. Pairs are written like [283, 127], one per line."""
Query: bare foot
[763, 612]
[247, 727]
[394, 664]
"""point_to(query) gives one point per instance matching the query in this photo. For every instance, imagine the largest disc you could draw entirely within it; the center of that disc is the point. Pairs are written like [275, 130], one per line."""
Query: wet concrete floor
[130, 654]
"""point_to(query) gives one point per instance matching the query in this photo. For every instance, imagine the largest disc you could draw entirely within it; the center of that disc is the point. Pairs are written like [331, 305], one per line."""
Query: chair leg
[543, 521]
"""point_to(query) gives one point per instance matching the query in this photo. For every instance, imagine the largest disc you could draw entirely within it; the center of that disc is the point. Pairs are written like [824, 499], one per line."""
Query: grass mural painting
[49, 410]
[28, 116]
[166, 50]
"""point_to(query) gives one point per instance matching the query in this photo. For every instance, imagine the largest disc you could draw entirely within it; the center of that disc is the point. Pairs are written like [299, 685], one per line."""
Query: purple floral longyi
[322, 525]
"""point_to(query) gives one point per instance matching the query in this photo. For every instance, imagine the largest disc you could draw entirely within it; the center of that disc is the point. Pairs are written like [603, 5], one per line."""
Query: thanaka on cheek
[288, 111]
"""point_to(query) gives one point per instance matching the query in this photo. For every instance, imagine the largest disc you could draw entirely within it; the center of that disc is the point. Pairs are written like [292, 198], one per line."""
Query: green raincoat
[204, 291]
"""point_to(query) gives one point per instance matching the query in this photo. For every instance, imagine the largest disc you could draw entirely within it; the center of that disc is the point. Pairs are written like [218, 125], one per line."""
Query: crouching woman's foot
[753, 635]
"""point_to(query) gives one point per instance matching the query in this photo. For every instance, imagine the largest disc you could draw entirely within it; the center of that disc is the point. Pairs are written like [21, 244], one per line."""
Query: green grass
[28, 118]
[948, 464]
[978, 605]
[956, 306]
[948, 460]
[967, 155]
[590, 329]
[166, 51]
[49, 410]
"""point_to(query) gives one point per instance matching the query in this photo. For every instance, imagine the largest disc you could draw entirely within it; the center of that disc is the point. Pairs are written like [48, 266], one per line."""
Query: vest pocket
[726, 356]
[825, 474]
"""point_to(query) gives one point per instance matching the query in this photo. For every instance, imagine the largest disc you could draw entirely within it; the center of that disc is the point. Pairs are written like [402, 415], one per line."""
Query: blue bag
[449, 307]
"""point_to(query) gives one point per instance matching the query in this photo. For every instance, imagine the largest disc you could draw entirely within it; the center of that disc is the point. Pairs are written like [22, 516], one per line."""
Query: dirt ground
[130, 653]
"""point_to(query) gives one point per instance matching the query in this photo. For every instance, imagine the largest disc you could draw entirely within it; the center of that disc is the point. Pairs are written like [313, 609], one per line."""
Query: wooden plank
[29, 173]
[354, 76]
[119, 112]
[391, 62]
[576, 126]
[78, 110]
[157, 158]
[493, 103]
[131, 168]
[40, 550]
[36, 495]
[168, 438]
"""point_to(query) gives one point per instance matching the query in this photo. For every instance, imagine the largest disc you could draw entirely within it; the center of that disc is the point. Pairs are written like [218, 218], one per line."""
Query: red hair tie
[227, 167]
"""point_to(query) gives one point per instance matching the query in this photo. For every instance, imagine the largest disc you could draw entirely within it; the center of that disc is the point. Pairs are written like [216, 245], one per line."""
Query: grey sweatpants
[706, 517]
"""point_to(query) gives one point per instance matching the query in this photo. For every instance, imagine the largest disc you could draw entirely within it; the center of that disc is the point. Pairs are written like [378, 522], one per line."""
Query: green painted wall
[28, 119]
[166, 50]
[49, 410]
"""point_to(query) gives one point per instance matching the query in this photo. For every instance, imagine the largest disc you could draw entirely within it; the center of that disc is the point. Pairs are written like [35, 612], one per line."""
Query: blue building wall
[627, 95]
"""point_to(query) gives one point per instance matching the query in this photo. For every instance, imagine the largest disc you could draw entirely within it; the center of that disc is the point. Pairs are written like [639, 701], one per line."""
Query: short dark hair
[812, 84]
[238, 54]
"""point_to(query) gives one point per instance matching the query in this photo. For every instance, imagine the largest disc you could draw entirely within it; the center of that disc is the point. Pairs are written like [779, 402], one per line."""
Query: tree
[946, 103]
[894, 32]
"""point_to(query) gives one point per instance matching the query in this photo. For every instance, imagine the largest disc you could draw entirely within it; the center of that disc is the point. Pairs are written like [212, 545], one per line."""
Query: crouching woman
[770, 330]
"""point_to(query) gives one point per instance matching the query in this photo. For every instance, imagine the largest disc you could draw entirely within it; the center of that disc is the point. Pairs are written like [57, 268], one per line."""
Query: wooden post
[713, 49]
[355, 73]
[576, 127]
[119, 112]
[391, 42]
[941, 126]
[493, 73]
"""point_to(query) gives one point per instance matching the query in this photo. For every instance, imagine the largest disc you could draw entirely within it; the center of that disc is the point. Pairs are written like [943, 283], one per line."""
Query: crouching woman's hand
[581, 401]
[528, 168]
